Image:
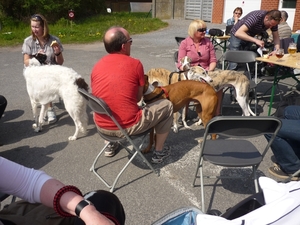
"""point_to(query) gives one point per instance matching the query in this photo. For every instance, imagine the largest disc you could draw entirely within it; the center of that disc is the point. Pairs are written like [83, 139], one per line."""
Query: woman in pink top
[200, 50]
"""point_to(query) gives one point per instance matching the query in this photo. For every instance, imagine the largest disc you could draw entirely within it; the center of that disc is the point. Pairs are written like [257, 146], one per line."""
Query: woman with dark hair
[237, 13]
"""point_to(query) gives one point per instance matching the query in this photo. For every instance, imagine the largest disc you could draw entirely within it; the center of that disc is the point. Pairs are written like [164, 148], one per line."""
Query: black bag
[215, 32]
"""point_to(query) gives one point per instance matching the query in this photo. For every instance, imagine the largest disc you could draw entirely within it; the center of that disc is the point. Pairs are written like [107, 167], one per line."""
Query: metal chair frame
[245, 57]
[97, 105]
[235, 150]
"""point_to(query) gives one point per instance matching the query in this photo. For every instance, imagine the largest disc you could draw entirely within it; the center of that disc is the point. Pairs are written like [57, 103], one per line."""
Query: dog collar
[155, 97]
[165, 92]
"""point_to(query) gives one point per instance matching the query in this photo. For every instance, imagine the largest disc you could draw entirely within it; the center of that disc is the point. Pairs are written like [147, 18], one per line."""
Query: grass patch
[85, 31]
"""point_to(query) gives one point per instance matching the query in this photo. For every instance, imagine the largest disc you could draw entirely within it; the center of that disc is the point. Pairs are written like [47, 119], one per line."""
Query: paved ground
[145, 196]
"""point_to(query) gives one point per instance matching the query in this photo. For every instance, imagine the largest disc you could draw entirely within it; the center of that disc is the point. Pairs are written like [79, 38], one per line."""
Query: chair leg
[136, 151]
[202, 188]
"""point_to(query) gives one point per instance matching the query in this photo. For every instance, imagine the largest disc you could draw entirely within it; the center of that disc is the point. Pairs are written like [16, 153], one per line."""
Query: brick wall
[269, 4]
[217, 16]
[297, 17]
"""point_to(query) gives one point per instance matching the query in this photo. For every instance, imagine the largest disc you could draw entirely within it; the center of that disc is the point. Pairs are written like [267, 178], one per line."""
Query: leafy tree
[53, 10]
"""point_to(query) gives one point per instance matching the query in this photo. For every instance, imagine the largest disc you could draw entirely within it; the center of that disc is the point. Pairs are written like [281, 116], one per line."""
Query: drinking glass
[292, 48]
[265, 52]
[279, 53]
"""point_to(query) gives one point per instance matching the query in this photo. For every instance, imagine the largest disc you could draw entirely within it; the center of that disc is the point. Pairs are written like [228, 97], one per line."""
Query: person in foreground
[237, 13]
[243, 33]
[36, 186]
[118, 79]
[200, 50]
[47, 48]
[286, 146]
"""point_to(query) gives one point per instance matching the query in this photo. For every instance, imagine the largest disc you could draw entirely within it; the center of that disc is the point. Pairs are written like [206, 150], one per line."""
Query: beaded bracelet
[57, 197]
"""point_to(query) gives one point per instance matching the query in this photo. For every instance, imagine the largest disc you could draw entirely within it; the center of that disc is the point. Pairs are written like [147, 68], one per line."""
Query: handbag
[215, 32]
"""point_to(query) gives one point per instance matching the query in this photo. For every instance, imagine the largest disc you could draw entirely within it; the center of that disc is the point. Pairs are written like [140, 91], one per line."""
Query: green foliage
[51, 9]
[86, 30]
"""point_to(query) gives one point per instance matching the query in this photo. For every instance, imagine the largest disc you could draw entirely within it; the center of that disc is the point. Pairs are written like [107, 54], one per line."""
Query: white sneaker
[51, 116]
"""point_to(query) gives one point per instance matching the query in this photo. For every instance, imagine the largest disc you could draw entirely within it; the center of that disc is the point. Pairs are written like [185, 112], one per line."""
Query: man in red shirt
[118, 79]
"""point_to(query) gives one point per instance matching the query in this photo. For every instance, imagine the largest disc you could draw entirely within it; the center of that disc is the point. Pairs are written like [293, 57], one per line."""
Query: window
[291, 4]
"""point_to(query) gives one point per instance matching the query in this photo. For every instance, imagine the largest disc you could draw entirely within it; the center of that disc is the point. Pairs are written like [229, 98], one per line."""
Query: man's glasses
[238, 13]
[202, 30]
[37, 17]
[129, 41]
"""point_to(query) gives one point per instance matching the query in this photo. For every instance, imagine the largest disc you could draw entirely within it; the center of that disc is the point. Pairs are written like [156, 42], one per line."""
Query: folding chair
[99, 106]
[245, 57]
[236, 150]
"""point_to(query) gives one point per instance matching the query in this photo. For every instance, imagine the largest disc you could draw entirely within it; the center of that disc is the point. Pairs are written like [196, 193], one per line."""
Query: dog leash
[171, 75]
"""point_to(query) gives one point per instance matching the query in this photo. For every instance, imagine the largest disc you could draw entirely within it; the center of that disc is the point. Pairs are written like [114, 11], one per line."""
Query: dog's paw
[72, 138]
[186, 126]
[199, 122]
[37, 129]
[175, 129]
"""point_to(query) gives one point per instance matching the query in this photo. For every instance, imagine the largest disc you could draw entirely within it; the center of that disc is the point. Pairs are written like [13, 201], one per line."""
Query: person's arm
[276, 39]
[212, 57]
[36, 186]
[57, 50]
[26, 59]
[241, 33]
[140, 93]
[69, 201]
[181, 53]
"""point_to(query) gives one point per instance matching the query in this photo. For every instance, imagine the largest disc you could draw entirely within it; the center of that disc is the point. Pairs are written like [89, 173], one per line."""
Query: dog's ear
[146, 77]
[80, 82]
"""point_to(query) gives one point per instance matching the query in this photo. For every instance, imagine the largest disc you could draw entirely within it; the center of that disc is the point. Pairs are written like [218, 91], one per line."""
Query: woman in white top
[36, 186]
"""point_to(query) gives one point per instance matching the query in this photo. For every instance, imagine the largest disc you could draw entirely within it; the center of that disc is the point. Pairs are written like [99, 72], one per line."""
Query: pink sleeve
[181, 52]
[21, 181]
[212, 57]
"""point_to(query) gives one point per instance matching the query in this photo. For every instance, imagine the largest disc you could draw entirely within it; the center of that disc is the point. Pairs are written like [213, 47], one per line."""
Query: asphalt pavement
[145, 196]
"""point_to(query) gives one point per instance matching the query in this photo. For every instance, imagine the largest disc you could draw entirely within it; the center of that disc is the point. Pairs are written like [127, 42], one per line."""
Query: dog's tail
[80, 82]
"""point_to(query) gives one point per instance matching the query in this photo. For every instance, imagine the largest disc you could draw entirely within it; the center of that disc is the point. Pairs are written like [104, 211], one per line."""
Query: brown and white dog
[217, 79]
[180, 93]
[163, 77]
[49, 82]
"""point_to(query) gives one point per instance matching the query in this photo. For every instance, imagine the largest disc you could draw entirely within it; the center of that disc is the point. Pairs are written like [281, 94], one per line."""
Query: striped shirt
[284, 30]
[254, 21]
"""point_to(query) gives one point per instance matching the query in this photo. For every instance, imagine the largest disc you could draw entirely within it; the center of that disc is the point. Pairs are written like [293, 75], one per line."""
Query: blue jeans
[286, 145]
[235, 45]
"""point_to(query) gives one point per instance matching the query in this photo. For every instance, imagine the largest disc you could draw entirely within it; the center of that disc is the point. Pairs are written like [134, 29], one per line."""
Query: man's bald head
[114, 38]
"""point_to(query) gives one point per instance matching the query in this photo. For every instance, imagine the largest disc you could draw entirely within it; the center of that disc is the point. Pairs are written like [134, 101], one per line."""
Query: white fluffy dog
[49, 82]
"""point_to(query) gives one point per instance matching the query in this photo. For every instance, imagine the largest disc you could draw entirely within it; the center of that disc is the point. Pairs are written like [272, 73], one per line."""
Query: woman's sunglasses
[202, 30]
[37, 17]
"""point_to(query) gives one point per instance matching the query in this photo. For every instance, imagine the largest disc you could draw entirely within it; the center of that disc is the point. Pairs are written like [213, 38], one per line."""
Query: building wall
[168, 9]
[297, 17]
[218, 7]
